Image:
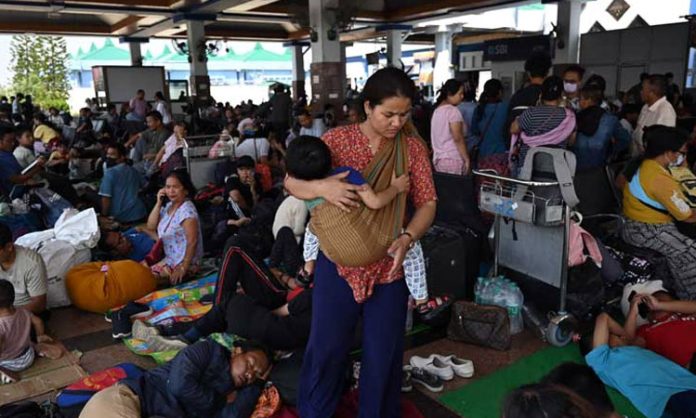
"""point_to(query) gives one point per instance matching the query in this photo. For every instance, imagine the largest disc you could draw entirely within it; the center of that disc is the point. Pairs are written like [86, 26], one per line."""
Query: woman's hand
[651, 301]
[398, 251]
[161, 193]
[402, 183]
[339, 193]
[178, 274]
[466, 168]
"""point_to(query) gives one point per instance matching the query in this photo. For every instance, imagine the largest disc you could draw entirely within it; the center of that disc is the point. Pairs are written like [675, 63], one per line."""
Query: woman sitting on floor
[178, 227]
[653, 201]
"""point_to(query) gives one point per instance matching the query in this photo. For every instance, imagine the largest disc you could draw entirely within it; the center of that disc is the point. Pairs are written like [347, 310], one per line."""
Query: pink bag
[581, 246]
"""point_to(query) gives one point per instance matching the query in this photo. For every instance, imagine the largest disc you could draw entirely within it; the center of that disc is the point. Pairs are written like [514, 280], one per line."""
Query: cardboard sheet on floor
[43, 376]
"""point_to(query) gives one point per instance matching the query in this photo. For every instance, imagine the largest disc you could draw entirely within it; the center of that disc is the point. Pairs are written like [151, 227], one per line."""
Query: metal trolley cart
[531, 230]
[200, 167]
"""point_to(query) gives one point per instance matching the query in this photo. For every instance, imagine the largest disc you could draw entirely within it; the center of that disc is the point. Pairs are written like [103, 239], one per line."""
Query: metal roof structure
[280, 20]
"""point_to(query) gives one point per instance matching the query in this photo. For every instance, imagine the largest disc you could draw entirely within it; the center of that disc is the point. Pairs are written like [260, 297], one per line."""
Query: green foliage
[40, 68]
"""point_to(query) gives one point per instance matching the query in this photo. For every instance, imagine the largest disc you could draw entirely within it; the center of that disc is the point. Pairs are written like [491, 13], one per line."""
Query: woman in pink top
[447, 131]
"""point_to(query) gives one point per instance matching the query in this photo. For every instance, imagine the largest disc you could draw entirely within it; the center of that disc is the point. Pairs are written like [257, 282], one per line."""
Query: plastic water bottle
[514, 307]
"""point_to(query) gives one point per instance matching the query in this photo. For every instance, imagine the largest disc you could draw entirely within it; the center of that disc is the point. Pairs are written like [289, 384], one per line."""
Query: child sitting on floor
[654, 384]
[309, 158]
[16, 350]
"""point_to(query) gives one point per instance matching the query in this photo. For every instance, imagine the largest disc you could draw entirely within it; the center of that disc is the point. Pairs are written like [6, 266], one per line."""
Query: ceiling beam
[282, 9]
[246, 35]
[217, 6]
[251, 5]
[123, 26]
[54, 27]
[151, 3]
[428, 9]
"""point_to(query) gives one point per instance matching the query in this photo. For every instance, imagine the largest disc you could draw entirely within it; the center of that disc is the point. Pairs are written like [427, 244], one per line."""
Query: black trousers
[286, 253]
[250, 315]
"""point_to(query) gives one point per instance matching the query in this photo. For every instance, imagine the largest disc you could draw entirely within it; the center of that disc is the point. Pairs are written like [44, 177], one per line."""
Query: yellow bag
[100, 286]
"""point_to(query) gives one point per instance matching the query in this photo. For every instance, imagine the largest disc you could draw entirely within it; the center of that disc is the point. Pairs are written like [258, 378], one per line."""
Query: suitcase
[445, 252]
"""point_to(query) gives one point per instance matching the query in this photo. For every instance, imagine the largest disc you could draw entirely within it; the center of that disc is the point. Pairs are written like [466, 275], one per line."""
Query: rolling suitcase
[445, 262]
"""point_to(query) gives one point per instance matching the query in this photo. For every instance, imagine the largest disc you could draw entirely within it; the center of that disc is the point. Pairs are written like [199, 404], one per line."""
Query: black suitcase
[445, 252]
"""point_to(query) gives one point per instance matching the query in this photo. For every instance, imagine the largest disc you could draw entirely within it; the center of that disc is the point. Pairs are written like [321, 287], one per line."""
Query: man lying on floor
[203, 380]
[654, 384]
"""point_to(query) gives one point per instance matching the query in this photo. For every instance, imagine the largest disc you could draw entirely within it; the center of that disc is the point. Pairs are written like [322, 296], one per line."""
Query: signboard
[516, 49]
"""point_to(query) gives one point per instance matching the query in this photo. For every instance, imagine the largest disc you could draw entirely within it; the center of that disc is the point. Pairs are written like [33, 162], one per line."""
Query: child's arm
[379, 200]
[676, 306]
[631, 324]
[38, 325]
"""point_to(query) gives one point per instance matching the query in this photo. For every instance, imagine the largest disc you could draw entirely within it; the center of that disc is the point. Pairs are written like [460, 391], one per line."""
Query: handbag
[484, 325]
[156, 253]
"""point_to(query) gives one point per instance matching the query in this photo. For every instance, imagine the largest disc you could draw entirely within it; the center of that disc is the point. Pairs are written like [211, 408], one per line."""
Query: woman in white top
[448, 131]
[163, 107]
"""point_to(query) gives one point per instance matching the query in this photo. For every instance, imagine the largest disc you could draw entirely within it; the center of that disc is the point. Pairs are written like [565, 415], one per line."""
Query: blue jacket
[194, 384]
[594, 151]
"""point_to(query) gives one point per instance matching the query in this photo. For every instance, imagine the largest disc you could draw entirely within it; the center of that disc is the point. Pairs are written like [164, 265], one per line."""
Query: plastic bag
[502, 292]
[81, 229]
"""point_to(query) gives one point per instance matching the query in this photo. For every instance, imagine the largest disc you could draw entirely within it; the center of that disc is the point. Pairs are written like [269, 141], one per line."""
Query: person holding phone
[178, 227]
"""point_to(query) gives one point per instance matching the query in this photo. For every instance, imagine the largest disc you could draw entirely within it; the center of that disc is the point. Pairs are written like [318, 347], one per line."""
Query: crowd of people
[317, 219]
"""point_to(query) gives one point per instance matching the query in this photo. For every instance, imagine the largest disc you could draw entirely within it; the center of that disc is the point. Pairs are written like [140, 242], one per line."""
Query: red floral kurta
[350, 148]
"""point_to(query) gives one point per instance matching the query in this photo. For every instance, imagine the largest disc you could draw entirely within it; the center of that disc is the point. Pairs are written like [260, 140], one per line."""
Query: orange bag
[100, 286]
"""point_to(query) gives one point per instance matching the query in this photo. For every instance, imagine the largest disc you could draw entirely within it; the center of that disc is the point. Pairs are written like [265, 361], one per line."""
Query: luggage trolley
[531, 231]
[200, 167]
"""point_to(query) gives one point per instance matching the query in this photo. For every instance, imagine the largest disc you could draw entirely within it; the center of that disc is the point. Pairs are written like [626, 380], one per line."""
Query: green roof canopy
[148, 56]
[108, 52]
[260, 54]
[165, 52]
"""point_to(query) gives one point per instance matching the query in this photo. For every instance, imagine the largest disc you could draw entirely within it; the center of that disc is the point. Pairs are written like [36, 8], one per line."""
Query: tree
[39, 65]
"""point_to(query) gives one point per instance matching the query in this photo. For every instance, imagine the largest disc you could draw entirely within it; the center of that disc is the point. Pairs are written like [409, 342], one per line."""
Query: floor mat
[483, 397]
[428, 406]
[42, 377]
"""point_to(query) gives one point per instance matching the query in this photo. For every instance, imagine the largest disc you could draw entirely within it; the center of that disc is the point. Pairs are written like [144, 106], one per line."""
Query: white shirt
[161, 107]
[244, 122]
[627, 126]
[253, 147]
[660, 113]
[24, 156]
[292, 213]
[318, 128]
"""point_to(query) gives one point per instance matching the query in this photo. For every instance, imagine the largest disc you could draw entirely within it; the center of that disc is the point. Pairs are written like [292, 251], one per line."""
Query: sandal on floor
[434, 305]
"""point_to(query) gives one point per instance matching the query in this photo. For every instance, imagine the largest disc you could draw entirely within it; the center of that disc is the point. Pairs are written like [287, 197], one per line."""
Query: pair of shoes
[132, 310]
[406, 379]
[121, 326]
[425, 378]
[433, 307]
[445, 367]
[151, 335]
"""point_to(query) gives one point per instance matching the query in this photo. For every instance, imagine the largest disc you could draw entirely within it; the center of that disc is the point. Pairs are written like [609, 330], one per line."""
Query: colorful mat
[484, 397]
[177, 304]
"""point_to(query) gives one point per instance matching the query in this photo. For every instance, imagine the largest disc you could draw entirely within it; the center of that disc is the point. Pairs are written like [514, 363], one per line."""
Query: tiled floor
[91, 334]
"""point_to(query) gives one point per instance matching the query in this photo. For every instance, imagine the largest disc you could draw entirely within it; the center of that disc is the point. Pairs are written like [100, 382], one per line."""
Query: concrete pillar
[443, 55]
[328, 69]
[136, 54]
[298, 71]
[568, 41]
[200, 82]
[394, 42]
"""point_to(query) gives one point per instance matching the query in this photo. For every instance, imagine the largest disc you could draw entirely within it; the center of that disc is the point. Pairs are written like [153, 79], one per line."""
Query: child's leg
[681, 405]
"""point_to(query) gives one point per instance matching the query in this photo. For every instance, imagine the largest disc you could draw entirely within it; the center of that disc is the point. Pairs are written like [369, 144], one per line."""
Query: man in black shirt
[537, 67]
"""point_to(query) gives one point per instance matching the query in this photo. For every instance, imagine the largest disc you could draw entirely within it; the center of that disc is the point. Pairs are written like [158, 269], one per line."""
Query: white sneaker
[433, 365]
[461, 367]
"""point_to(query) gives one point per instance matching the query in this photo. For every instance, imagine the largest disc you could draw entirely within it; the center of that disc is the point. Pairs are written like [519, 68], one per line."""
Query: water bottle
[478, 290]
[514, 307]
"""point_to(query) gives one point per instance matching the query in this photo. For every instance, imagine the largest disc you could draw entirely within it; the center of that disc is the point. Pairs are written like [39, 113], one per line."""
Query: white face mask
[678, 162]
[570, 87]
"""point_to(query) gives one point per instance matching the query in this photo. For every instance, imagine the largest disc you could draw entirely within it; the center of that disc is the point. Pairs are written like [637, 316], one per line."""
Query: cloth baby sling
[363, 235]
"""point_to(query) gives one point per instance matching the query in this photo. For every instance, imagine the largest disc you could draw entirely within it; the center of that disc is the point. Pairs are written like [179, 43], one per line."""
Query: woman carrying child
[375, 291]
